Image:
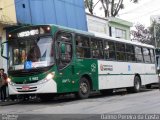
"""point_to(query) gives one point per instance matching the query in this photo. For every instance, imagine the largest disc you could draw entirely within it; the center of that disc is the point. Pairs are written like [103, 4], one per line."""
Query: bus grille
[31, 89]
[24, 73]
[27, 82]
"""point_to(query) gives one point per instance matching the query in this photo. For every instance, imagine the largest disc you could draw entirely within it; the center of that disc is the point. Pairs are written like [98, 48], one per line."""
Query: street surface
[145, 102]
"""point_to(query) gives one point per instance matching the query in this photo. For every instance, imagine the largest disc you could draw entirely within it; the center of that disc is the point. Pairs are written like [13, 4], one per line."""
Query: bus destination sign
[28, 33]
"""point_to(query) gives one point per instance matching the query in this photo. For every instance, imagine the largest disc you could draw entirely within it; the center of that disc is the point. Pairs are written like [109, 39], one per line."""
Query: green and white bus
[48, 59]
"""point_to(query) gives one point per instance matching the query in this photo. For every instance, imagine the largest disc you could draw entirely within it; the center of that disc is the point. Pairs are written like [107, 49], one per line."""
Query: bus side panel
[148, 79]
[68, 78]
[114, 74]
[87, 67]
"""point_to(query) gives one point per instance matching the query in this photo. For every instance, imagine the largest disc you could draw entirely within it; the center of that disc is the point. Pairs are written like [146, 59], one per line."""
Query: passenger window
[138, 54]
[82, 47]
[109, 50]
[130, 54]
[152, 56]
[97, 48]
[146, 54]
[120, 51]
[64, 51]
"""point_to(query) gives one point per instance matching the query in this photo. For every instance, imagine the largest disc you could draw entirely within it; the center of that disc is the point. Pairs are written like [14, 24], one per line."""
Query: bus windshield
[36, 52]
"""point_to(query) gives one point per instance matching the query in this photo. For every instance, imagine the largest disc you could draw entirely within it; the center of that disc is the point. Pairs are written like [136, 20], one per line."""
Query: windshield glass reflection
[31, 53]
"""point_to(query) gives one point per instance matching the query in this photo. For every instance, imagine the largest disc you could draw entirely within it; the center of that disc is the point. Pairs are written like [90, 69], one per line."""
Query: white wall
[97, 24]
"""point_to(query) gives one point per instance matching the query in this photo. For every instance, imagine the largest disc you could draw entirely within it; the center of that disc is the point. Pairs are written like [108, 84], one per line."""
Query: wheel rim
[137, 85]
[84, 88]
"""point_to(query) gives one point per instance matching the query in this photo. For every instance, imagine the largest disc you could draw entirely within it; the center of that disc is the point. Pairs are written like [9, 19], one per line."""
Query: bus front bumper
[49, 86]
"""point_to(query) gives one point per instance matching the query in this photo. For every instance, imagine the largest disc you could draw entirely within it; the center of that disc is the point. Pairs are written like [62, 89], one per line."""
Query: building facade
[69, 13]
[97, 24]
[119, 28]
[112, 26]
[7, 18]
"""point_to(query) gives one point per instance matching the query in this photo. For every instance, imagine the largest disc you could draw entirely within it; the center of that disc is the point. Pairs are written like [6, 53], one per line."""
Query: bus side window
[130, 54]
[97, 48]
[146, 54]
[138, 54]
[152, 56]
[109, 50]
[120, 51]
[64, 51]
[82, 47]
[66, 55]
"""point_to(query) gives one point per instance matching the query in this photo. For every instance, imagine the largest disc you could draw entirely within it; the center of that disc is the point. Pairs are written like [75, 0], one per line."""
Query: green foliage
[142, 34]
[89, 5]
[147, 35]
[110, 7]
[155, 32]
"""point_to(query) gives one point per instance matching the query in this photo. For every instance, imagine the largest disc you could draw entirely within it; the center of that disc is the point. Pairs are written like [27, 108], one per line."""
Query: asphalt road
[145, 102]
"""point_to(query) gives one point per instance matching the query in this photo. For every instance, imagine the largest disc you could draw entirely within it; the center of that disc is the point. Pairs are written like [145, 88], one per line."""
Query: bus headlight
[50, 76]
[8, 80]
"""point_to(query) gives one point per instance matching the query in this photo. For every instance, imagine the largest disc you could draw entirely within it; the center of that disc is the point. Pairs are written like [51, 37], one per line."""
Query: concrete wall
[121, 24]
[7, 17]
[97, 24]
[108, 25]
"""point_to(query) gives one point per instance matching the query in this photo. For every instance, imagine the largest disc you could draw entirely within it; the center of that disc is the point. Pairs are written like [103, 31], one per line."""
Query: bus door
[64, 51]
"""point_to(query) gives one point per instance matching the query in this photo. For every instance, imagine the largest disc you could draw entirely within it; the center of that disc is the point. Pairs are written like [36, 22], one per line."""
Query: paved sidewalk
[8, 102]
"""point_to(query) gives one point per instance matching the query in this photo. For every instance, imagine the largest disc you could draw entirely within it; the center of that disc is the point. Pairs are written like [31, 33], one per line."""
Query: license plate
[25, 87]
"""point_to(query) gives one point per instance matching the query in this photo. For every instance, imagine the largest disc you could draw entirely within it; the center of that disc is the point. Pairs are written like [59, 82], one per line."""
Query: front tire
[84, 89]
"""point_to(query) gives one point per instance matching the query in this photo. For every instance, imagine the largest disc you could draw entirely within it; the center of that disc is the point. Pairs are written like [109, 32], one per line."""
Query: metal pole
[155, 38]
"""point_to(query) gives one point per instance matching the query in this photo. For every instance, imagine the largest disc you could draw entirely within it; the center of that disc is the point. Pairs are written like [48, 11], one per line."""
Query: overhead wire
[132, 10]
[146, 14]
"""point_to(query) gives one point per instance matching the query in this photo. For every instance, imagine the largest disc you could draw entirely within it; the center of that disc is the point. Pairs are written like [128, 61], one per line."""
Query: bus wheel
[137, 85]
[84, 88]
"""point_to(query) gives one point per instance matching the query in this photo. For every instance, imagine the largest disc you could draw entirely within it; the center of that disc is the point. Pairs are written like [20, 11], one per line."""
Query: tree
[90, 5]
[142, 34]
[155, 32]
[112, 7]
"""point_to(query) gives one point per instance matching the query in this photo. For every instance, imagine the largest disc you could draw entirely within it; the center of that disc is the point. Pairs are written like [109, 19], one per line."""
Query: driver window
[64, 44]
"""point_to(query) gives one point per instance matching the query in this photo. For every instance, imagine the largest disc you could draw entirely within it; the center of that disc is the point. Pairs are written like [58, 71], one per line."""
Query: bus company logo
[101, 67]
[93, 67]
[106, 67]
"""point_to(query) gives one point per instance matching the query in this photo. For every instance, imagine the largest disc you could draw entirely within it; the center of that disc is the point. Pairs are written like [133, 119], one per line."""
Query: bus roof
[104, 36]
[122, 40]
[93, 34]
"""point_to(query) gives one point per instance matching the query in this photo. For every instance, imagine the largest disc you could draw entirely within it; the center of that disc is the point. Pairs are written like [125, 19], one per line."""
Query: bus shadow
[120, 92]
[57, 100]
[70, 98]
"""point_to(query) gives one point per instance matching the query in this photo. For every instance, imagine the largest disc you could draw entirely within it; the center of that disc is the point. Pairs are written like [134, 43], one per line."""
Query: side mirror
[3, 49]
